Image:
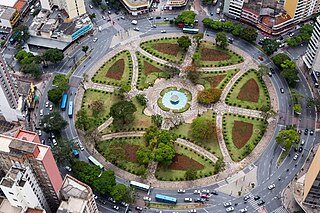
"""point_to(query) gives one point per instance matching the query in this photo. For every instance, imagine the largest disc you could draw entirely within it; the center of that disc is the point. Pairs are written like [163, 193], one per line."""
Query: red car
[260, 58]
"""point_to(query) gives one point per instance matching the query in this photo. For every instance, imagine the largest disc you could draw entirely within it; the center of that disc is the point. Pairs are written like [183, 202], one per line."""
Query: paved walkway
[105, 124]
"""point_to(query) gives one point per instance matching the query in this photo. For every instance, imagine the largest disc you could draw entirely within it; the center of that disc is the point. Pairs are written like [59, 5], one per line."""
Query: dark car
[272, 70]
[158, 17]
[257, 197]
[199, 200]
[214, 192]
[261, 202]
[300, 149]
[306, 131]
[311, 132]
[299, 131]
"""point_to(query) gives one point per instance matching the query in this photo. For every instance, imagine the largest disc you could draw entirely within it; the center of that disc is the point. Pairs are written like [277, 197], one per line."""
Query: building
[300, 9]
[8, 16]
[76, 197]
[233, 8]
[136, 7]
[176, 3]
[32, 177]
[74, 8]
[11, 103]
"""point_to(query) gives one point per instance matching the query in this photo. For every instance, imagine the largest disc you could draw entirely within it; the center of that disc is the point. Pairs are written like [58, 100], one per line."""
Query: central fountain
[174, 99]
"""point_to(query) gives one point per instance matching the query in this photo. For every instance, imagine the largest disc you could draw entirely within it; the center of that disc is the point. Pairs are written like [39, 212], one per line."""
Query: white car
[205, 191]
[116, 207]
[192, 211]
[47, 104]
[147, 199]
[196, 191]
[95, 39]
[39, 133]
[272, 186]
[188, 199]
[90, 6]
[136, 29]
[227, 204]
[124, 204]
[68, 169]
[43, 141]
[243, 210]
[230, 209]
[41, 112]
[163, 31]
[181, 191]
[81, 147]
[54, 142]
[295, 156]
[51, 107]
[104, 18]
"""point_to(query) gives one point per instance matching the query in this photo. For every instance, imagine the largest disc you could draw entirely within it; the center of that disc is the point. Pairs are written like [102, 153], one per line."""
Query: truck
[134, 22]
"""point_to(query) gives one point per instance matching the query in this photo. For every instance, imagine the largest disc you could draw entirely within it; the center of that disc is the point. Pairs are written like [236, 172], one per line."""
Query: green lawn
[212, 145]
[228, 74]
[263, 96]
[216, 59]
[283, 156]
[173, 54]
[147, 78]
[163, 173]
[108, 99]
[258, 130]
[101, 75]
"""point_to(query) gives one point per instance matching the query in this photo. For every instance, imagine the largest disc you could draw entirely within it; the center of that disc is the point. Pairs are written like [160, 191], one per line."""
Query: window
[11, 193]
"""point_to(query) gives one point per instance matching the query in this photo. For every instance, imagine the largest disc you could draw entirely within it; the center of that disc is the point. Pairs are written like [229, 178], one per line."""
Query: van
[134, 22]
[218, 10]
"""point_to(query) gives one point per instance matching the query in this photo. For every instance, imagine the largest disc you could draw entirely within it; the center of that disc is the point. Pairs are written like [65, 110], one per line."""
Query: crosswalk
[281, 209]
[253, 203]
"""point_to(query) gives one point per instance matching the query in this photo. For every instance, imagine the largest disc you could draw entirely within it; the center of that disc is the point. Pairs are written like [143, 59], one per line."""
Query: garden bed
[241, 133]
[249, 91]
[216, 79]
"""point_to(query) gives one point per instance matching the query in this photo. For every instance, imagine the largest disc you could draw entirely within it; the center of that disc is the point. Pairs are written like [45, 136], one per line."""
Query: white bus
[95, 162]
[140, 186]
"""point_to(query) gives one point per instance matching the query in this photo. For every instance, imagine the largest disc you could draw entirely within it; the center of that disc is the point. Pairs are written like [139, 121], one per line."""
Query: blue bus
[75, 153]
[190, 30]
[64, 101]
[95, 162]
[140, 186]
[166, 199]
[70, 109]
[13, 38]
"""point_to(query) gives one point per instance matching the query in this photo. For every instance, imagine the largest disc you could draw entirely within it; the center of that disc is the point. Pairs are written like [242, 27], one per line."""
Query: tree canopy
[209, 96]
[53, 55]
[84, 121]
[105, 183]
[269, 46]
[221, 39]
[30, 64]
[184, 42]
[202, 129]
[53, 122]
[287, 137]
[122, 113]
[62, 152]
[61, 83]
[249, 34]
[279, 59]
[186, 17]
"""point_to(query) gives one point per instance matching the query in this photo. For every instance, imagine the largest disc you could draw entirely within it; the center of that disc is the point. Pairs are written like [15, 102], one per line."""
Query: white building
[233, 8]
[136, 7]
[74, 8]
[312, 56]
[22, 189]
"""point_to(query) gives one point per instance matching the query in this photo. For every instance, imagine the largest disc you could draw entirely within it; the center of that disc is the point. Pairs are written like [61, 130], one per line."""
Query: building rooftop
[72, 187]
[19, 4]
[26, 135]
[6, 12]
[46, 42]
[253, 5]
[22, 146]
[34, 211]
[5, 207]
[8, 3]
[136, 2]
[72, 205]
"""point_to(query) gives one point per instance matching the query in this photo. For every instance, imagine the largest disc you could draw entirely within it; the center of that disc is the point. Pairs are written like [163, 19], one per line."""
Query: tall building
[76, 197]
[311, 190]
[300, 9]
[312, 56]
[136, 7]
[11, 103]
[233, 8]
[74, 8]
[30, 170]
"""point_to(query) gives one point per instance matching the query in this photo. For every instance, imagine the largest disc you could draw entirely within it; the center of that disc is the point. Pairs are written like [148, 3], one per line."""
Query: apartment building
[31, 170]
[233, 8]
[74, 8]
[299, 10]
[9, 16]
[136, 7]
[11, 103]
[176, 3]
[76, 197]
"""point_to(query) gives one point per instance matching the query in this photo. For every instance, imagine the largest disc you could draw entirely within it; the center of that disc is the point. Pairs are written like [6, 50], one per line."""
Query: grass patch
[230, 122]
[116, 71]
[244, 89]
[213, 56]
[283, 156]
[216, 79]
[212, 145]
[165, 48]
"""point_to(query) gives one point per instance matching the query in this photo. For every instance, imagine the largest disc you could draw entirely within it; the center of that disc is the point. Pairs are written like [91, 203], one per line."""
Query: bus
[166, 199]
[95, 162]
[14, 37]
[140, 186]
[64, 101]
[70, 109]
[190, 30]
[75, 153]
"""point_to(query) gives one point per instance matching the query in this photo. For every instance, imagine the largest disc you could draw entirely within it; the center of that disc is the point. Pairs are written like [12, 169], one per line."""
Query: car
[247, 197]
[214, 192]
[260, 58]
[111, 200]
[47, 104]
[199, 200]
[196, 21]
[103, 17]
[306, 131]
[136, 29]
[90, 6]
[257, 197]
[261, 202]
[40, 122]
[192, 211]
[163, 31]
[95, 196]
[122, 17]
[311, 132]
[272, 186]
[205, 191]
[302, 142]
[54, 142]
[154, 26]
[51, 135]
[272, 70]
[41, 112]
[166, 19]
[109, 12]
[230, 209]
[150, 18]
[124, 204]
[295, 156]
[181, 191]
[270, 74]
[116, 207]
[227, 204]
[281, 45]
[299, 131]
[243, 210]
[206, 196]
[43, 141]
[139, 208]
[281, 90]
[197, 191]
[300, 149]
[188, 199]
[158, 17]
[95, 39]
[51, 107]
[291, 34]
[39, 132]
[68, 168]
[147, 199]
[81, 147]
[211, 14]
[230, 40]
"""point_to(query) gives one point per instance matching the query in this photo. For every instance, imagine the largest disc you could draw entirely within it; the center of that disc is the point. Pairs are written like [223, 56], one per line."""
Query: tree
[190, 174]
[221, 39]
[286, 137]
[314, 102]
[237, 29]
[33, 69]
[193, 75]
[54, 95]
[219, 165]
[288, 65]
[209, 96]
[207, 22]
[103, 8]
[84, 121]
[97, 107]
[85, 49]
[164, 153]
[263, 70]
[184, 42]
[270, 46]
[115, 154]
[53, 122]
[186, 17]
[120, 193]
[279, 59]
[143, 155]
[62, 152]
[23, 35]
[296, 96]
[122, 113]
[85, 172]
[157, 120]
[53, 55]
[202, 129]
[142, 100]
[92, 16]
[198, 37]
[294, 41]
[96, 2]
[249, 34]
[297, 108]
[61, 81]
[290, 76]
[105, 183]
[228, 26]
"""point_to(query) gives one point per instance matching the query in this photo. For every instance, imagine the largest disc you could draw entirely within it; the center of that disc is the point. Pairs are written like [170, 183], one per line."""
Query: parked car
[247, 197]
[158, 17]
[104, 18]
[116, 207]
[111, 200]
[302, 142]
[39, 132]
[147, 199]
[188, 199]
[47, 104]
[95, 39]
[299, 131]
[54, 142]
[163, 31]
[51, 107]
[68, 168]
[227, 204]
[192, 211]
[90, 6]
[306, 131]
[261, 202]
[300, 149]
[260, 58]
[230, 209]
[150, 18]
[311, 132]
[81, 147]
[197, 191]
[243, 210]
[205, 191]
[257, 197]
[124, 204]
[139, 208]
[214, 192]
[41, 112]
[181, 191]
[199, 200]
[272, 70]
[136, 29]
[272, 186]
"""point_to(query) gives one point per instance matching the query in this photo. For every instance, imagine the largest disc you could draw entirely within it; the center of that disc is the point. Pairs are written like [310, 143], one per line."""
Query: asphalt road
[267, 173]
